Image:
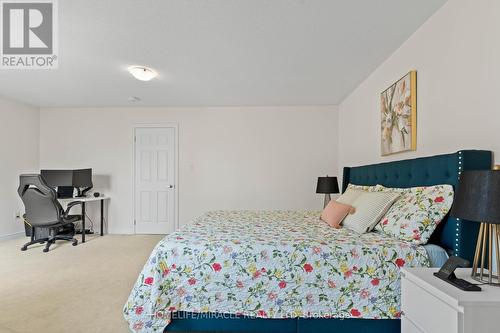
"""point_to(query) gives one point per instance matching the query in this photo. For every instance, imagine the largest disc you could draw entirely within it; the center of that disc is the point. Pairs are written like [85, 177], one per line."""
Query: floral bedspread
[272, 264]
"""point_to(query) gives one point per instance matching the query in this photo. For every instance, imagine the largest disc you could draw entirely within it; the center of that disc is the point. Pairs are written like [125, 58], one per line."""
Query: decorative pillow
[335, 212]
[370, 207]
[366, 188]
[415, 216]
[354, 191]
[349, 196]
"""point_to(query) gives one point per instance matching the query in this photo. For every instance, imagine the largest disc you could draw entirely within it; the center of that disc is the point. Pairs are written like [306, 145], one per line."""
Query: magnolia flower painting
[398, 105]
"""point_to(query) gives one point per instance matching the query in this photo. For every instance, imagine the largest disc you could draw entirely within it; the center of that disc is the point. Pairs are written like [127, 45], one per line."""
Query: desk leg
[83, 222]
[102, 217]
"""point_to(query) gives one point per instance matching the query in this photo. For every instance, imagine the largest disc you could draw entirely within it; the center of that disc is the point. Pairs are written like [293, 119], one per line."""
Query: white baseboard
[15, 235]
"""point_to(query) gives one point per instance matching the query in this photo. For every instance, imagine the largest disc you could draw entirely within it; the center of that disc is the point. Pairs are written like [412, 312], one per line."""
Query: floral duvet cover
[271, 264]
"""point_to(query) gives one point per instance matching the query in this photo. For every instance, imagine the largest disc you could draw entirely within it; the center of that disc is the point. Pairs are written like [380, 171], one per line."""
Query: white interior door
[155, 173]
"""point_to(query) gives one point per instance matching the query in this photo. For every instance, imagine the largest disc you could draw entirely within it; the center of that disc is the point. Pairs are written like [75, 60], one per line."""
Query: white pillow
[349, 196]
[366, 188]
[370, 208]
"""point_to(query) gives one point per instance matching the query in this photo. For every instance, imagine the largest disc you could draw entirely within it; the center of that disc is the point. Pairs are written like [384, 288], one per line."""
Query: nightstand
[431, 305]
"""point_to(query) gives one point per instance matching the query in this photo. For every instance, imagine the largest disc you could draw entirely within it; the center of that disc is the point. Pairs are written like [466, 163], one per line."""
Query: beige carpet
[70, 289]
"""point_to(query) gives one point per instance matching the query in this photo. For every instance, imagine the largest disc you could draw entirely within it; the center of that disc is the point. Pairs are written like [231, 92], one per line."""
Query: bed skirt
[195, 322]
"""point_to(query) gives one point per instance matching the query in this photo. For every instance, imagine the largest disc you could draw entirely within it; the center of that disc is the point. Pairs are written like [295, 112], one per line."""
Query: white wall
[229, 158]
[457, 56]
[19, 134]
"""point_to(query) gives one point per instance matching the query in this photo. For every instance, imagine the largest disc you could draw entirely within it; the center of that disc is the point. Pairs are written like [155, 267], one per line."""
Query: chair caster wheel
[75, 243]
[45, 250]
[24, 248]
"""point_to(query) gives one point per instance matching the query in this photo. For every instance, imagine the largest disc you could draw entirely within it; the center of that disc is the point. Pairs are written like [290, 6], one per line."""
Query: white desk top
[423, 277]
[85, 199]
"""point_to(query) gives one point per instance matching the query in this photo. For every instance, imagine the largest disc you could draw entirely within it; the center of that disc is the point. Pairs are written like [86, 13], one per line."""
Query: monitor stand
[82, 193]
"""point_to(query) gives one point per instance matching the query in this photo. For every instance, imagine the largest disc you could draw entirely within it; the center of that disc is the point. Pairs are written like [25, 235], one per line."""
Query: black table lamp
[327, 185]
[478, 200]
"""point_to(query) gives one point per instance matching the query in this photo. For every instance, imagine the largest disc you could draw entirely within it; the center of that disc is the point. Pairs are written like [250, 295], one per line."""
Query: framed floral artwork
[398, 109]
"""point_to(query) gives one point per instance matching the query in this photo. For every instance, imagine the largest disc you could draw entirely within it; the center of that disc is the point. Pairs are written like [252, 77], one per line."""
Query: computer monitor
[67, 180]
[56, 178]
[65, 192]
[82, 181]
[82, 178]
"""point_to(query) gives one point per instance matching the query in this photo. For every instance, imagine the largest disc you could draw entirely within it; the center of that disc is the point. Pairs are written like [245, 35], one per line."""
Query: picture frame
[398, 111]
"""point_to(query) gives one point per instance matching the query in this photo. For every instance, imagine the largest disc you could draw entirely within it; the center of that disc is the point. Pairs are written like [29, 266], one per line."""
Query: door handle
[171, 186]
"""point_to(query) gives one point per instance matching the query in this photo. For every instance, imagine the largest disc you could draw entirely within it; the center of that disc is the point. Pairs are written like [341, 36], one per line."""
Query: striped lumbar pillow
[370, 208]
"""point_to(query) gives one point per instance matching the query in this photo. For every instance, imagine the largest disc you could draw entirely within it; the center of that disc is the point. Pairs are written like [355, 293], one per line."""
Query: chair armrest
[71, 205]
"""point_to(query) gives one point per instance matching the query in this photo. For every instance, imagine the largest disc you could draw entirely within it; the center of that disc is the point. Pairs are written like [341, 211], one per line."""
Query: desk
[84, 201]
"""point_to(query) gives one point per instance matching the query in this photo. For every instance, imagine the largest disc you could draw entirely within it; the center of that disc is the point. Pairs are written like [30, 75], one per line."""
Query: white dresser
[431, 305]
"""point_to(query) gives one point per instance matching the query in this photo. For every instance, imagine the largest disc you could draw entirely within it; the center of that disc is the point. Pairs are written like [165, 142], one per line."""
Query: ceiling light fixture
[142, 73]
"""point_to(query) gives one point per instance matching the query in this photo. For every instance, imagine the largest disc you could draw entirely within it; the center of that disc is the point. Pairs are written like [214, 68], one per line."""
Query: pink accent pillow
[335, 212]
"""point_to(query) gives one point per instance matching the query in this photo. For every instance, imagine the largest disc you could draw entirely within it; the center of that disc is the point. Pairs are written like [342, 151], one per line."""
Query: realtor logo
[28, 34]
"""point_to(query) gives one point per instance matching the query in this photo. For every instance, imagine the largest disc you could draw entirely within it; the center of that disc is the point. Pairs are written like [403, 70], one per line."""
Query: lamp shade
[327, 185]
[478, 197]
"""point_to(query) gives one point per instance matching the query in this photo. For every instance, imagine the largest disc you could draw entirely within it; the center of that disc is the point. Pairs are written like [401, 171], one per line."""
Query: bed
[285, 271]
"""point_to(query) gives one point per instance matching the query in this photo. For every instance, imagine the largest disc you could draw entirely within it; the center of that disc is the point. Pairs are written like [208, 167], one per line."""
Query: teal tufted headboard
[455, 235]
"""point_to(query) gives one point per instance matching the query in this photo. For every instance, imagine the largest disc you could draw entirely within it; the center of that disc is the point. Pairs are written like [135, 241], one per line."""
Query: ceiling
[217, 52]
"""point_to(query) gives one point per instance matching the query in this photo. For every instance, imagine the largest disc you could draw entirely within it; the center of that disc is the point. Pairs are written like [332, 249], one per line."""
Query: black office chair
[44, 211]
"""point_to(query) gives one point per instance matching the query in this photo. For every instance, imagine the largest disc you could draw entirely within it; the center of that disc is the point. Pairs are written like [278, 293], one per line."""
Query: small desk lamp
[327, 185]
[478, 200]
